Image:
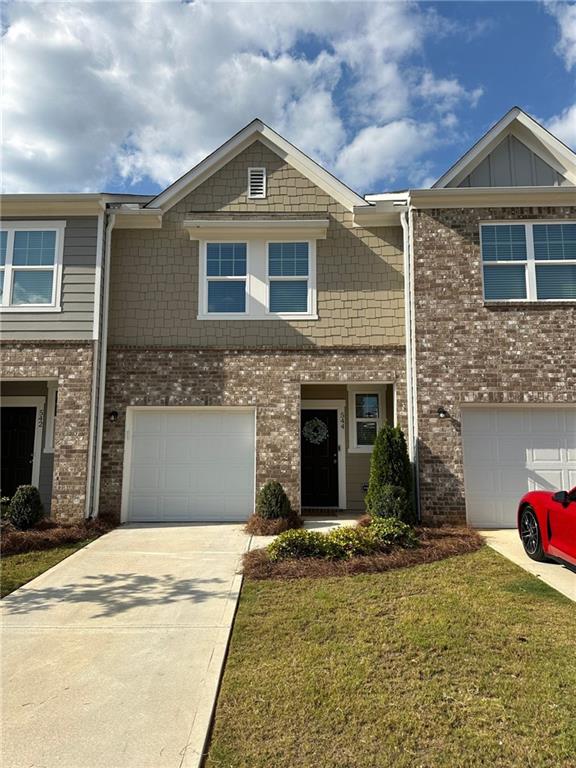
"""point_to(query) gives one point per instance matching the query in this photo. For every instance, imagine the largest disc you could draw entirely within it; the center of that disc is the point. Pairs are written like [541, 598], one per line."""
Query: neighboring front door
[18, 432]
[319, 457]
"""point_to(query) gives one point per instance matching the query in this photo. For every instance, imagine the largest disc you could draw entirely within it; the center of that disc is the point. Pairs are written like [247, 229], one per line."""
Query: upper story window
[532, 261]
[226, 277]
[257, 280]
[287, 261]
[257, 182]
[31, 266]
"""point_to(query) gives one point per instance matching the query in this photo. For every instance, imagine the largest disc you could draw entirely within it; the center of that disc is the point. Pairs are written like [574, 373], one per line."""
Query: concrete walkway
[507, 543]
[112, 658]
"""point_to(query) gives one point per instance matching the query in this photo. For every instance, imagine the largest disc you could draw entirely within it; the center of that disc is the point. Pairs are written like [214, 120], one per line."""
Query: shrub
[258, 526]
[26, 507]
[298, 543]
[389, 531]
[390, 466]
[389, 501]
[4, 507]
[343, 542]
[347, 542]
[272, 502]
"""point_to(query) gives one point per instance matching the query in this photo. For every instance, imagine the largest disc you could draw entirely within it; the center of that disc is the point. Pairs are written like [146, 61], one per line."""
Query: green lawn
[16, 570]
[465, 662]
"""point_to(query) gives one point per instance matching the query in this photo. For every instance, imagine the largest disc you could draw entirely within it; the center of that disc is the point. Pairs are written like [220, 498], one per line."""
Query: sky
[127, 96]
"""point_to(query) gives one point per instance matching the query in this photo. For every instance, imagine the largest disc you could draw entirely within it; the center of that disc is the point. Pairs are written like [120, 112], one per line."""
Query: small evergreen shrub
[4, 507]
[344, 542]
[272, 502]
[25, 507]
[389, 501]
[390, 466]
[348, 542]
[298, 543]
[389, 532]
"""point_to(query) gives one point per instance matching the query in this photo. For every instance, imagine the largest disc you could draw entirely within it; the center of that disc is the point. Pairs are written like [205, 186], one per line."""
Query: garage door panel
[144, 507]
[545, 480]
[191, 465]
[148, 424]
[147, 450]
[509, 451]
[146, 477]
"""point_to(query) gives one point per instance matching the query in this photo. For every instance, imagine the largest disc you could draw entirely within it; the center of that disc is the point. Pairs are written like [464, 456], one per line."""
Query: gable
[257, 130]
[226, 190]
[516, 152]
[512, 164]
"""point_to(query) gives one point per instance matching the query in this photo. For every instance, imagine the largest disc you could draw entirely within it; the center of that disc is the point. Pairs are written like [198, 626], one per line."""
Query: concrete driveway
[507, 543]
[112, 659]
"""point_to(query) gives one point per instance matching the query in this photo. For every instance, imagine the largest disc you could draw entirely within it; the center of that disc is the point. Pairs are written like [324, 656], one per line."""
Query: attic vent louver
[257, 182]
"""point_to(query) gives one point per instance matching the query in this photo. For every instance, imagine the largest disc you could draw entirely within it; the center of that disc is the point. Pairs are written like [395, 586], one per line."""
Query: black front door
[319, 439]
[18, 431]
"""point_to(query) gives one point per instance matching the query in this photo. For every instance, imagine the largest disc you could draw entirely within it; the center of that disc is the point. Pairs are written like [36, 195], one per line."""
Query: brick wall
[71, 364]
[269, 380]
[469, 352]
[154, 277]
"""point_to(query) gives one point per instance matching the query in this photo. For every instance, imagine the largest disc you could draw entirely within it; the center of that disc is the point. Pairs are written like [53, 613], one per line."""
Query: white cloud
[565, 15]
[564, 126]
[386, 151]
[96, 94]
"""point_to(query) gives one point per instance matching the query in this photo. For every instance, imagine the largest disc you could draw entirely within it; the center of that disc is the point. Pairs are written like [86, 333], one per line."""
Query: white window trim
[311, 310]
[529, 263]
[39, 404]
[339, 406]
[29, 226]
[50, 416]
[265, 184]
[257, 281]
[374, 389]
[204, 278]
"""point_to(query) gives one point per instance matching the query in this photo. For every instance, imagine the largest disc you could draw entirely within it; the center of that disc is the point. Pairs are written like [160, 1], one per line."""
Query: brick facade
[270, 380]
[469, 352]
[71, 363]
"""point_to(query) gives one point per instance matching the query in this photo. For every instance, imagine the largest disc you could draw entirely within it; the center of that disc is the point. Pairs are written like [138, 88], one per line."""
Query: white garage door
[187, 465]
[509, 451]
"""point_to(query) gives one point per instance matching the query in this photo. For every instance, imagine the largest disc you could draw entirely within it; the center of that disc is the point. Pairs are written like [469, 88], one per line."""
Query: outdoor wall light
[113, 416]
[442, 412]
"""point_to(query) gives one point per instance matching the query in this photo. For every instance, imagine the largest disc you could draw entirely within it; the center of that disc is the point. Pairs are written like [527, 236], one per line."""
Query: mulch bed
[435, 544]
[48, 534]
[258, 526]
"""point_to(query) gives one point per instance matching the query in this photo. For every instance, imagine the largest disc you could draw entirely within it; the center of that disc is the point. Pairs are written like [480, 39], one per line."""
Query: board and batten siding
[75, 321]
[513, 164]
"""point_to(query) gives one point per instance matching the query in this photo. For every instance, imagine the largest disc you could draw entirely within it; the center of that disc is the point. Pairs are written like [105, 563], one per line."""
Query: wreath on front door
[315, 431]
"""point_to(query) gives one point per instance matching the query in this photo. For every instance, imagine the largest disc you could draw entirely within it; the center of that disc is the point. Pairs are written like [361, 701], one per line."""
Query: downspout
[409, 318]
[96, 327]
[102, 371]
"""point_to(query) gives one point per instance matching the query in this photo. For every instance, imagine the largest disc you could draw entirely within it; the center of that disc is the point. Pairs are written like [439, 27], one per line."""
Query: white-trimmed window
[365, 407]
[288, 273]
[257, 279]
[31, 266]
[257, 183]
[226, 272]
[529, 261]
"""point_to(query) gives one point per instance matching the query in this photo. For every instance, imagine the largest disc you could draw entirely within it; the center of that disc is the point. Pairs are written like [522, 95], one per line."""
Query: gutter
[102, 368]
[409, 317]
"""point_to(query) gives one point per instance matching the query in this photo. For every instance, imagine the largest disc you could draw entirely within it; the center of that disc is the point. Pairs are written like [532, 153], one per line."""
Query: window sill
[28, 309]
[364, 449]
[267, 317]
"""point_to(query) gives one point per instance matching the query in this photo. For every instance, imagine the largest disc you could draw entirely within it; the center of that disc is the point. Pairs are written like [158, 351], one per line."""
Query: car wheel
[530, 535]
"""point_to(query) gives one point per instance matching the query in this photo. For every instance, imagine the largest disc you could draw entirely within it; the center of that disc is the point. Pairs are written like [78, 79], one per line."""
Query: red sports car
[547, 525]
